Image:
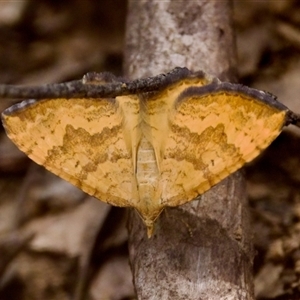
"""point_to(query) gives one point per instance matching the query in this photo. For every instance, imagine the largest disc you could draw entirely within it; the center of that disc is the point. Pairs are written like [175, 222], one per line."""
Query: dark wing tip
[217, 86]
[18, 107]
[293, 118]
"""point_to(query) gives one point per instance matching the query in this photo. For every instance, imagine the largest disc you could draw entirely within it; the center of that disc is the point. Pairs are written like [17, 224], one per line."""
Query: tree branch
[201, 250]
[94, 85]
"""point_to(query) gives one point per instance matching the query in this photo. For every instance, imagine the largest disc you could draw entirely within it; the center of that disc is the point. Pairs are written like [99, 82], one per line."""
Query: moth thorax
[147, 173]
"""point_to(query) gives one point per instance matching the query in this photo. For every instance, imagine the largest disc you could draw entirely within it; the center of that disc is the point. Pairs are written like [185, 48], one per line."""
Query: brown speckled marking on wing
[212, 136]
[84, 141]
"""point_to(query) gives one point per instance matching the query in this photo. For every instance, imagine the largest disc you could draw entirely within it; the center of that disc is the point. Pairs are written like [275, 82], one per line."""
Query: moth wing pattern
[80, 140]
[213, 131]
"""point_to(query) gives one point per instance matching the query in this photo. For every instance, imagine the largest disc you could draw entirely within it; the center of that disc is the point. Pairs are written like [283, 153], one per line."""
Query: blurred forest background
[55, 241]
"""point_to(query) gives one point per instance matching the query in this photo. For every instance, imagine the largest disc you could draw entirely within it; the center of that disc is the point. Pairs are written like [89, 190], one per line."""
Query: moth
[146, 144]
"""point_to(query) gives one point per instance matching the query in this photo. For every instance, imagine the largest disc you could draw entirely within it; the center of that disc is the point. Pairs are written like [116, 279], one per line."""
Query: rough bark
[201, 250]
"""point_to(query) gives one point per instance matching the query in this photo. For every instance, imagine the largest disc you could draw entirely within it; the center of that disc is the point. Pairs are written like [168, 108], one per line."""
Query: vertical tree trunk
[201, 250]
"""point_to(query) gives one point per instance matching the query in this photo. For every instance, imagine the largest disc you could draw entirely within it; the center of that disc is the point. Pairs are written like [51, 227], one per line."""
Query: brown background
[54, 240]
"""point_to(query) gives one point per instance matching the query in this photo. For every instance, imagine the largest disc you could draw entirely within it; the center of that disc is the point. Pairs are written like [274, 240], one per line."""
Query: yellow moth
[149, 150]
